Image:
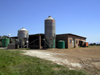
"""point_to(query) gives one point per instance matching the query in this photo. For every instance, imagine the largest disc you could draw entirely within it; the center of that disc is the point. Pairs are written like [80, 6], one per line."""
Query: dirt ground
[87, 59]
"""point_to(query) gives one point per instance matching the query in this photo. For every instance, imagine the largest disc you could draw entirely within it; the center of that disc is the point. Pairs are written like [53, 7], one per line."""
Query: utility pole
[9, 38]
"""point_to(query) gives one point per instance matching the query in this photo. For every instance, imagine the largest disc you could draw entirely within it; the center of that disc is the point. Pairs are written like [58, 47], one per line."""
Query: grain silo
[23, 37]
[50, 31]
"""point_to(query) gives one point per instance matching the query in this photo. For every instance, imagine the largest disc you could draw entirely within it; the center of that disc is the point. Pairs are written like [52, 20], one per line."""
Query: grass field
[14, 63]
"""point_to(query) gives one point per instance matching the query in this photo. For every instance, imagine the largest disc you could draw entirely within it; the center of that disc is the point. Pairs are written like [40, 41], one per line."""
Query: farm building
[71, 40]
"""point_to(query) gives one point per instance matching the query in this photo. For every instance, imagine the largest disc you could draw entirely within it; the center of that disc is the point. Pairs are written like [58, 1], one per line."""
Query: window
[70, 41]
[76, 41]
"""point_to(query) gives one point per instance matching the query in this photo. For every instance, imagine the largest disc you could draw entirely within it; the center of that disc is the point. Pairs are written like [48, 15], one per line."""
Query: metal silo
[50, 31]
[23, 36]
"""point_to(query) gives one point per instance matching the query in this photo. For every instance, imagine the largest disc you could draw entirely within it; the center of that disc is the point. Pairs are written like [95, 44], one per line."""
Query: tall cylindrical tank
[5, 42]
[2, 42]
[61, 44]
[23, 33]
[50, 30]
[23, 36]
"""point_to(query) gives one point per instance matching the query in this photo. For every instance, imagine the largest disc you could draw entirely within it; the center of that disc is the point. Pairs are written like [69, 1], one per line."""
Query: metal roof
[22, 29]
[57, 34]
[73, 35]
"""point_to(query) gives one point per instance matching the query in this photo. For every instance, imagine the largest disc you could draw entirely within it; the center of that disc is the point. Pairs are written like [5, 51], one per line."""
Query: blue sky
[80, 17]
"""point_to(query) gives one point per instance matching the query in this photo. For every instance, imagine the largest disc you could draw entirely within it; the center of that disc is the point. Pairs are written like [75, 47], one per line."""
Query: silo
[6, 42]
[2, 42]
[50, 31]
[22, 36]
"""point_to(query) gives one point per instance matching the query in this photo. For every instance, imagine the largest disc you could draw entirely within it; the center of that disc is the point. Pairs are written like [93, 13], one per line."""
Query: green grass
[14, 63]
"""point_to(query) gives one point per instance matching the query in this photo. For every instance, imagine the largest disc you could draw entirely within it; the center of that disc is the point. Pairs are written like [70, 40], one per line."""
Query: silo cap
[49, 18]
[22, 29]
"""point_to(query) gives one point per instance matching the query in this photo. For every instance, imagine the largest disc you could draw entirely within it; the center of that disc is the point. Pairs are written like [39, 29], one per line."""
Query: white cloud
[99, 34]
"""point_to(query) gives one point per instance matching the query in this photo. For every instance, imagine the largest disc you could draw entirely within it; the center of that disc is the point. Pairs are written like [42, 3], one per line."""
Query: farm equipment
[83, 44]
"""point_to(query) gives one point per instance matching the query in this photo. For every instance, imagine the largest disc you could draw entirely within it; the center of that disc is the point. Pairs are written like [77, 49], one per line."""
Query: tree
[4, 36]
[0, 37]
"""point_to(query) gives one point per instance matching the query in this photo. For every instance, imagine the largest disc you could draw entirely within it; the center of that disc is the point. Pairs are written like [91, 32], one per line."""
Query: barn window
[70, 41]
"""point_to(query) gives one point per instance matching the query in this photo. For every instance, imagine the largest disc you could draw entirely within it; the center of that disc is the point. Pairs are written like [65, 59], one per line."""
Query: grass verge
[14, 63]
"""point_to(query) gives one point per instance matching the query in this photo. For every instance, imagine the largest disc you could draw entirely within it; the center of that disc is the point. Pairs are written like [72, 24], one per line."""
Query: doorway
[73, 42]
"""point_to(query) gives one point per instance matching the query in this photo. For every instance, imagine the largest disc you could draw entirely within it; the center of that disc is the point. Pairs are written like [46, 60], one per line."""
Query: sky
[80, 17]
